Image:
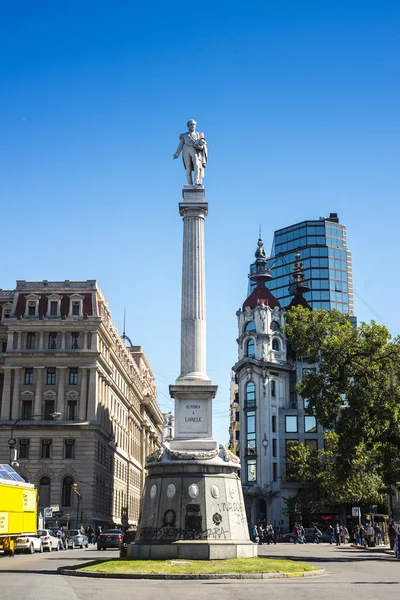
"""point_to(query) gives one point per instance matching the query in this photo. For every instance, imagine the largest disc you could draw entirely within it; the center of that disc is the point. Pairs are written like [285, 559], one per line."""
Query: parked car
[290, 537]
[49, 540]
[29, 543]
[110, 538]
[128, 537]
[77, 539]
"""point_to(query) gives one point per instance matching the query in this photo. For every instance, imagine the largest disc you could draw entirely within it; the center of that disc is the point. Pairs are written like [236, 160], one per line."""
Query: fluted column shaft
[193, 309]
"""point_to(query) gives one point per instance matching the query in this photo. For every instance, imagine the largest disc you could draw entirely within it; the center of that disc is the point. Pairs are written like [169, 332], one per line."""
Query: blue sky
[299, 102]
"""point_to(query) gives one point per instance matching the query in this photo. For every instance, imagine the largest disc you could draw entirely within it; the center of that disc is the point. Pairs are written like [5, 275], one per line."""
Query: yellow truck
[18, 507]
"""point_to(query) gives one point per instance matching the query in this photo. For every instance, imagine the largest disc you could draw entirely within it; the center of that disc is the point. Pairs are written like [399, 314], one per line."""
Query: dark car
[110, 538]
[129, 536]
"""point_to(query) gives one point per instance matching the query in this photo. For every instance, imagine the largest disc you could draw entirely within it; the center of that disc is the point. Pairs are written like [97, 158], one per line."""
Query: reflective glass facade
[327, 264]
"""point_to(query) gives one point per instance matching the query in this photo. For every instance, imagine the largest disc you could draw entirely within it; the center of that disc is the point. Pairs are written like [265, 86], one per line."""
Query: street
[352, 574]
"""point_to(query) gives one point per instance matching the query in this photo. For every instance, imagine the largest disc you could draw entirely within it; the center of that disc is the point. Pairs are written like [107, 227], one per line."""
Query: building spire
[298, 285]
[261, 273]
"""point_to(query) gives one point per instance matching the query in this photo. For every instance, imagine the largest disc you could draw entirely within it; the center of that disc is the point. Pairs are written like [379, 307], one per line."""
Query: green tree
[355, 393]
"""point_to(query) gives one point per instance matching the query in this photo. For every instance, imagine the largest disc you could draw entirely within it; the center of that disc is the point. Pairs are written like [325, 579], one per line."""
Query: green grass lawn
[190, 567]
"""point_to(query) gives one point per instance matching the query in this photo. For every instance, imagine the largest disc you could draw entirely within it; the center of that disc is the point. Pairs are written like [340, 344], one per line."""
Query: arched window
[44, 492]
[275, 326]
[250, 395]
[67, 491]
[275, 344]
[250, 348]
[250, 326]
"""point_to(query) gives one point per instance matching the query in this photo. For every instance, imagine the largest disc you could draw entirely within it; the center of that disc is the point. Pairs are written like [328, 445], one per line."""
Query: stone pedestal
[193, 508]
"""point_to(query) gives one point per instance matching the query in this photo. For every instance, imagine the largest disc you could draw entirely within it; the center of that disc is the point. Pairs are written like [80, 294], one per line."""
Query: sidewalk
[378, 549]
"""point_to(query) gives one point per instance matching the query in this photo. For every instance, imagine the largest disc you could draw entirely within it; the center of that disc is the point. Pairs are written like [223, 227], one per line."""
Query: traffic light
[68, 517]
[75, 487]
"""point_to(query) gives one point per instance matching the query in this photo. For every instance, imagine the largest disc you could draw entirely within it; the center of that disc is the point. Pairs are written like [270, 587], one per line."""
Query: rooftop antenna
[124, 336]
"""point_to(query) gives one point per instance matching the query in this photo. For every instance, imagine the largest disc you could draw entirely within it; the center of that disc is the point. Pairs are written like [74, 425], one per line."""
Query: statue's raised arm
[193, 146]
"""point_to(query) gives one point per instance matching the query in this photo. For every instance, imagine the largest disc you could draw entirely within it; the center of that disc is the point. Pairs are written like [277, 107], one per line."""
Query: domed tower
[262, 375]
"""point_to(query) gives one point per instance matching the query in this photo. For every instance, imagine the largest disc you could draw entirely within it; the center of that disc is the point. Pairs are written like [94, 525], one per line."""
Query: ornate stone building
[80, 405]
[270, 413]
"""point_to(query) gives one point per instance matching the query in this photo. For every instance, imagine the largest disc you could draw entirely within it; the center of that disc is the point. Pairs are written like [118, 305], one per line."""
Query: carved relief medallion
[153, 491]
[215, 491]
[193, 490]
[171, 489]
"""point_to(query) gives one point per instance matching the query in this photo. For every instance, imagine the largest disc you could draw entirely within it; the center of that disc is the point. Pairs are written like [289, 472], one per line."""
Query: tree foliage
[355, 393]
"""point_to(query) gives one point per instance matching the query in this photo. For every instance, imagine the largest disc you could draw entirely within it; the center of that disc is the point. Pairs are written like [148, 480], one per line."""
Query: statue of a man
[194, 153]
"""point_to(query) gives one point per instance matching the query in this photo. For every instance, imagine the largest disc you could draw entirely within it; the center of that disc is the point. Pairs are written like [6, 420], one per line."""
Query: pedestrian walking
[331, 532]
[316, 535]
[337, 534]
[255, 534]
[260, 534]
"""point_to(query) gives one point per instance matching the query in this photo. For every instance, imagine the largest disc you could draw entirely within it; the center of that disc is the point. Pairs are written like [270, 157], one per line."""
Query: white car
[29, 542]
[49, 540]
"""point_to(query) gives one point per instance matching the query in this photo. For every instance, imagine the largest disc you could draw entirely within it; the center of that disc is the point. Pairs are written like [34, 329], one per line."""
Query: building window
[54, 308]
[69, 448]
[275, 471]
[49, 406]
[310, 425]
[26, 409]
[51, 376]
[32, 308]
[274, 447]
[275, 344]
[250, 326]
[44, 492]
[291, 424]
[250, 395]
[251, 433]
[290, 473]
[275, 326]
[237, 416]
[273, 388]
[76, 308]
[250, 348]
[23, 448]
[237, 435]
[45, 449]
[7, 313]
[251, 470]
[75, 341]
[30, 341]
[73, 376]
[52, 341]
[312, 444]
[71, 408]
[28, 380]
[66, 499]
[273, 423]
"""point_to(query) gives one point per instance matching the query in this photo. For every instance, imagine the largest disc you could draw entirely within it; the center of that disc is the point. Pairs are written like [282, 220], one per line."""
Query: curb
[373, 551]
[202, 576]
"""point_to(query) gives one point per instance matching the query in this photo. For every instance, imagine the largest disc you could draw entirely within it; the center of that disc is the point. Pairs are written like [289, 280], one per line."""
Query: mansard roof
[299, 300]
[259, 295]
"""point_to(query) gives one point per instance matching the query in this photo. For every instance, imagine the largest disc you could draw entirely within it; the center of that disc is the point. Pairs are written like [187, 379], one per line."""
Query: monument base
[192, 507]
[193, 550]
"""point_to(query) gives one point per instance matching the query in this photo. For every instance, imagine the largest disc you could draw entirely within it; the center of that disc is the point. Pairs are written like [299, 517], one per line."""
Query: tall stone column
[193, 311]
[193, 391]
[83, 394]
[92, 395]
[61, 374]
[15, 407]
[6, 398]
[37, 408]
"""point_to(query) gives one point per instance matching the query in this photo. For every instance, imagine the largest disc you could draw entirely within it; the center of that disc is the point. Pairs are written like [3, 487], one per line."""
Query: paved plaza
[351, 574]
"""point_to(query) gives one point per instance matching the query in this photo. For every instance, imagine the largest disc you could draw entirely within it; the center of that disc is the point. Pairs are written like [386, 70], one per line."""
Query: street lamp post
[12, 442]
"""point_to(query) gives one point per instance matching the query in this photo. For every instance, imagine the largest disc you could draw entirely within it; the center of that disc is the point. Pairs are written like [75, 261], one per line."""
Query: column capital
[193, 209]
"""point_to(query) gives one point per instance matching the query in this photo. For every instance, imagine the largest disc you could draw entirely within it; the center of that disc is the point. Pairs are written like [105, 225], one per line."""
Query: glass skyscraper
[327, 264]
